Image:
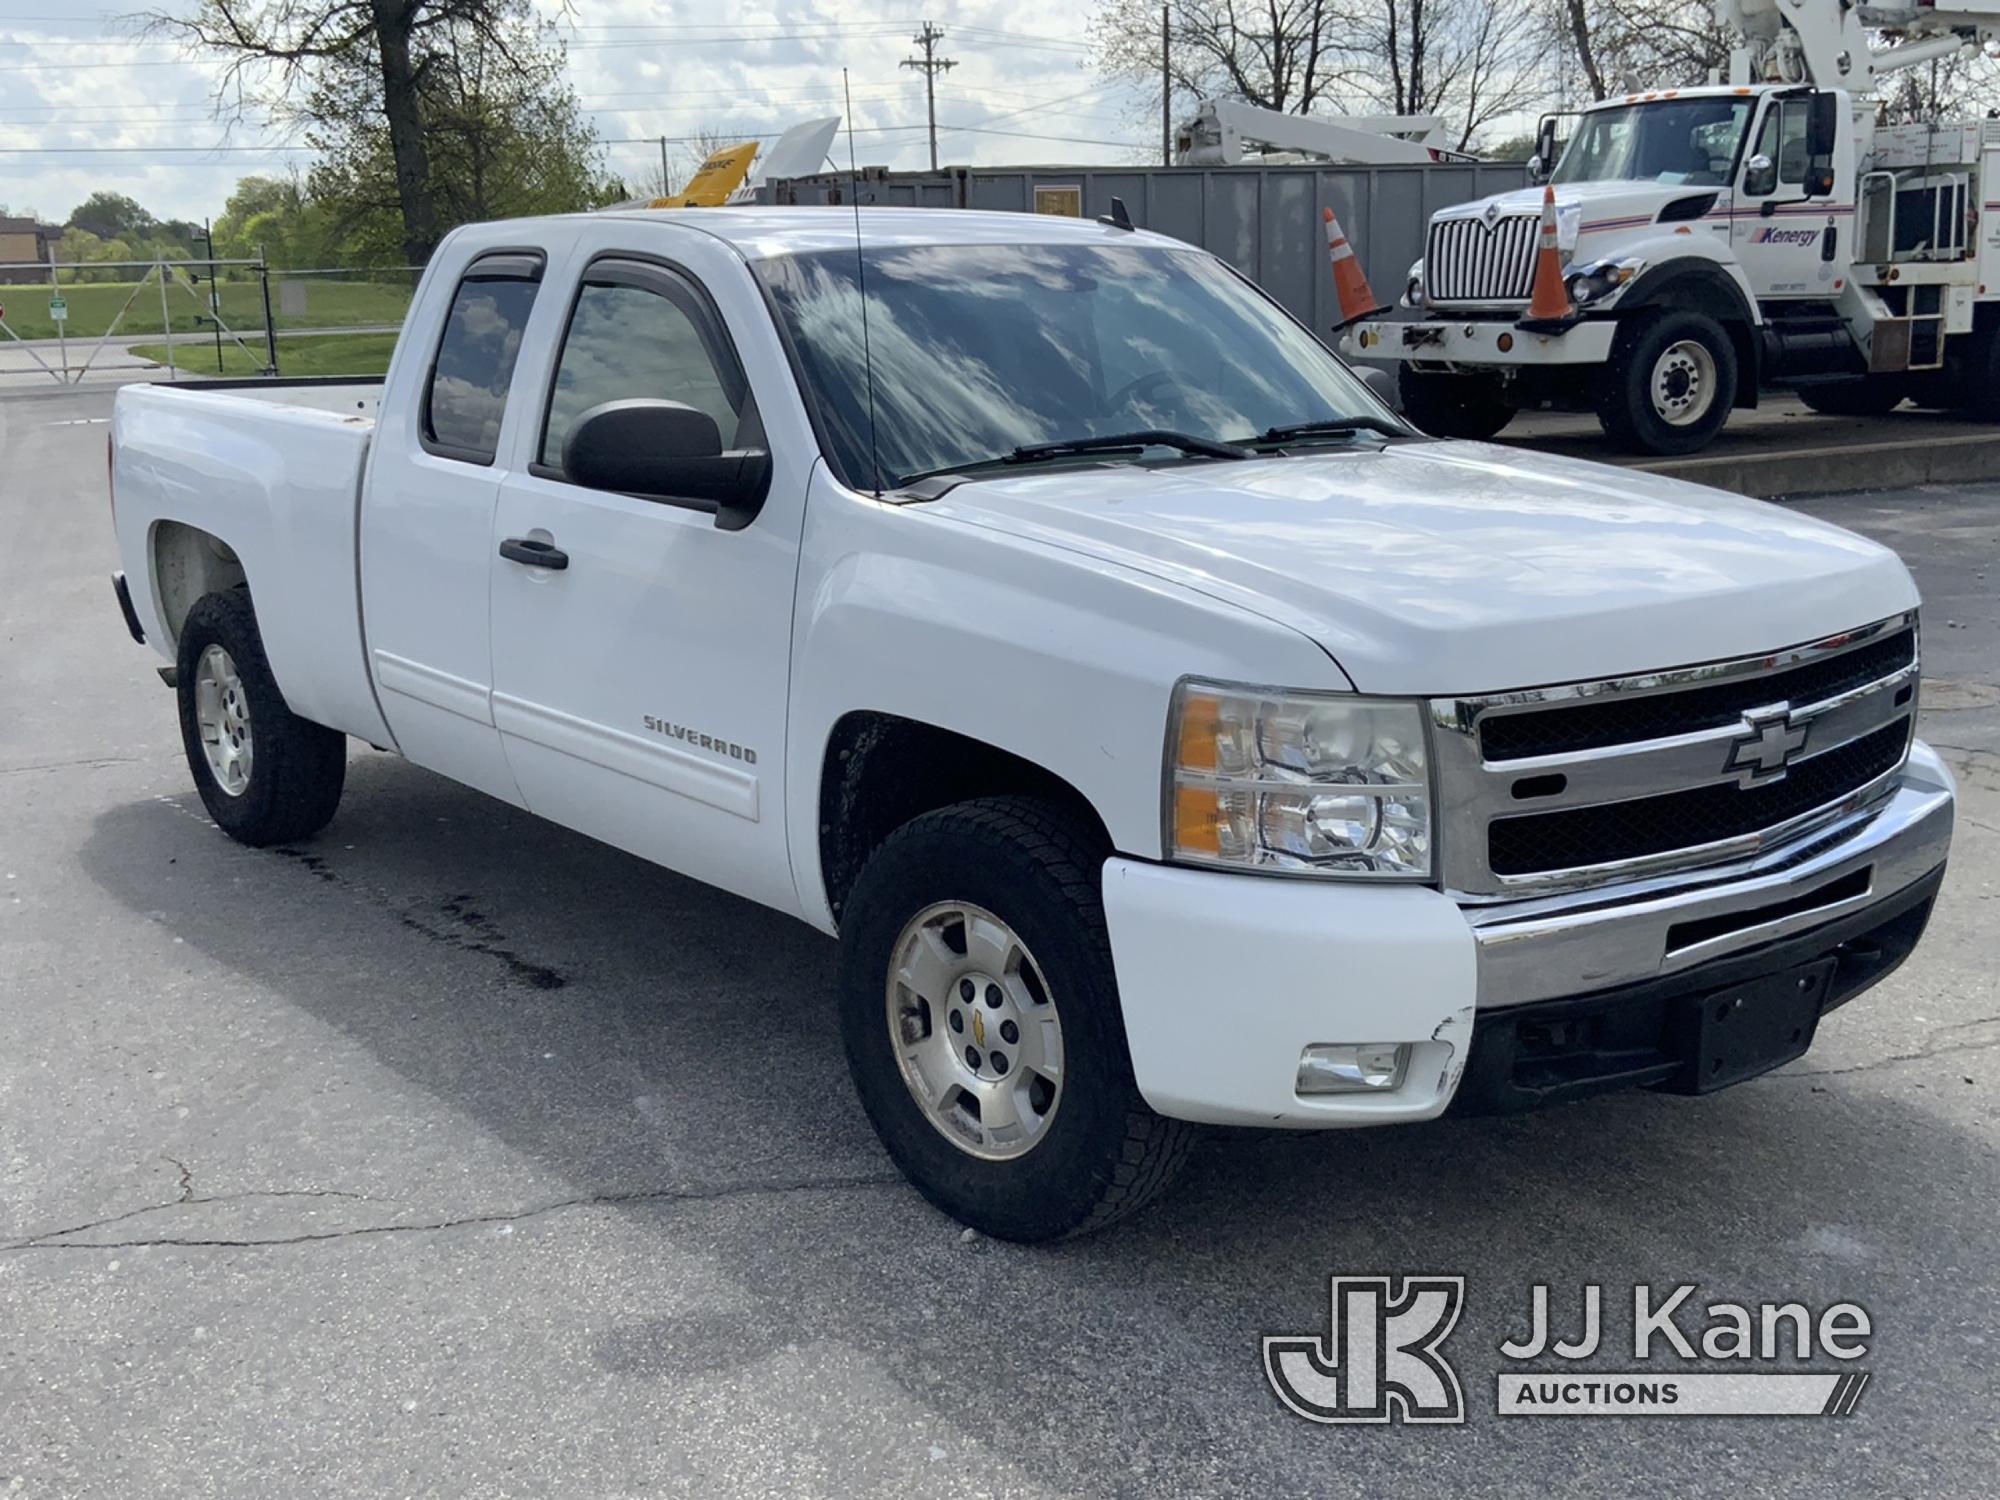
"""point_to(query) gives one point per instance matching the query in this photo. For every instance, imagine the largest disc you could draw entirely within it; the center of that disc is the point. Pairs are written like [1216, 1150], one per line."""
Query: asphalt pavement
[452, 1153]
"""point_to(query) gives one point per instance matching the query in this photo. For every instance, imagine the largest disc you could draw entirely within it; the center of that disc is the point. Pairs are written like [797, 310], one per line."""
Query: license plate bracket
[1756, 1026]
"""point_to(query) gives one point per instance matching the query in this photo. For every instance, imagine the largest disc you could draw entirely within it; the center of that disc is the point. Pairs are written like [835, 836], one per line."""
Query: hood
[1601, 205]
[1440, 568]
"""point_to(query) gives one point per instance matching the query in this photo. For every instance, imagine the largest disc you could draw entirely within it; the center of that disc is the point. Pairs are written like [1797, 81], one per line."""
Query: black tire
[1864, 396]
[1971, 384]
[1625, 406]
[297, 768]
[1102, 1153]
[1453, 406]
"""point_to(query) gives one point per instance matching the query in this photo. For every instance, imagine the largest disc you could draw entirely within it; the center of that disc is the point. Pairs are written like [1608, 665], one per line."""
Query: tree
[113, 216]
[277, 51]
[505, 136]
[1276, 57]
[1471, 61]
[278, 217]
[1606, 47]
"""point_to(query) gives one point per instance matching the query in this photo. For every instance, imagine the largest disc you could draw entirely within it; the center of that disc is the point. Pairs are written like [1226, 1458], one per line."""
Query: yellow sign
[721, 175]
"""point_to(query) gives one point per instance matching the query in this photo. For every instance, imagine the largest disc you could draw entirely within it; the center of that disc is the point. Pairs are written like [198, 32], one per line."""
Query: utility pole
[666, 177]
[1166, 90]
[930, 65]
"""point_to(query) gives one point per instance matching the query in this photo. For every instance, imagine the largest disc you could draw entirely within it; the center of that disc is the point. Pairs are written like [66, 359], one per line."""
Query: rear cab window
[465, 396]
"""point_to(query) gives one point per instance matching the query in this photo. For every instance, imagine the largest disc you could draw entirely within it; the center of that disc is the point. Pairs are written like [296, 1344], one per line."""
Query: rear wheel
[265, 775]
[1866, 396]
[982, 1025]
[1454, 406]
[1671, 382]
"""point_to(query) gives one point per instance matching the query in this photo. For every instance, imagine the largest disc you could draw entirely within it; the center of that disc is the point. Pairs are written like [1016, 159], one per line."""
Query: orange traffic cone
[1350, 282]
[1549, 301]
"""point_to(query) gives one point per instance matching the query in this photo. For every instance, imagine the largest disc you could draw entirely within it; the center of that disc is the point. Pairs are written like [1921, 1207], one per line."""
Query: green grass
[320, 354]
[330, 303]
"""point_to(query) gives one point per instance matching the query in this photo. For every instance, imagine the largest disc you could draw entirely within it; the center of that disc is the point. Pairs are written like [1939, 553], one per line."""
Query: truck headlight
[1413, 287]
[1600, 281]
[1298, 783]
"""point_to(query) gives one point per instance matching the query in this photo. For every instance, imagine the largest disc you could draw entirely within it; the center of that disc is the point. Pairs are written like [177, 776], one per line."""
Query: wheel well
[1702, 288]
[881, 770]
[188, 563]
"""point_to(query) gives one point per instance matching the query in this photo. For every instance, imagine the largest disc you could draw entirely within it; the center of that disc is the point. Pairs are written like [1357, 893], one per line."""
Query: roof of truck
[759, 233]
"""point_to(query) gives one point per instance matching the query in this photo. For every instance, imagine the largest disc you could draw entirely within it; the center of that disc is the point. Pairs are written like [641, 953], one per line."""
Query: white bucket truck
[1763, 233]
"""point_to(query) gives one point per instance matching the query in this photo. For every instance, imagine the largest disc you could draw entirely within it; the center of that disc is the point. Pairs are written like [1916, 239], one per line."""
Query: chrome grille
[1566, 787]
[1465, 261]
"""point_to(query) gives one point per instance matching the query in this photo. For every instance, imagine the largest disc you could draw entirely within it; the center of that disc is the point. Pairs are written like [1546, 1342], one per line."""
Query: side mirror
[1537, 172]
[1760, 176]
[1545, 147]
[670, 452]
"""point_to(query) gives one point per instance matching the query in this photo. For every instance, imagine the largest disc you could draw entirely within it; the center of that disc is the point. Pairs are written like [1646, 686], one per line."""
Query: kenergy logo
[1770, 236]
[1382, 1358]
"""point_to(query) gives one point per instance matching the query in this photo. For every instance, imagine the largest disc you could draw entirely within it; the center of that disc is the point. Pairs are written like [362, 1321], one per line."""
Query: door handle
[534, 554]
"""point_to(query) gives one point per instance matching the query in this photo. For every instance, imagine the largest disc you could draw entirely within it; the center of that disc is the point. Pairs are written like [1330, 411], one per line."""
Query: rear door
[428, 520]
[640, 690]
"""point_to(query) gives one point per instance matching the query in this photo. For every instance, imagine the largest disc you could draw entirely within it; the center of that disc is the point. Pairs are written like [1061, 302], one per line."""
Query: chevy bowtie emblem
[978, 1029]
[1765, 748]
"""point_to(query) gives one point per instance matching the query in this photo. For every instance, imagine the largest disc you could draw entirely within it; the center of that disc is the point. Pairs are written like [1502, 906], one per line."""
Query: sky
[139, 115]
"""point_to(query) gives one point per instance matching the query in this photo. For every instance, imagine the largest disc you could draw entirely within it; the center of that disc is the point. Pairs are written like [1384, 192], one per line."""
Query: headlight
[1306, 783]
[1601, 280]
[1413, 288]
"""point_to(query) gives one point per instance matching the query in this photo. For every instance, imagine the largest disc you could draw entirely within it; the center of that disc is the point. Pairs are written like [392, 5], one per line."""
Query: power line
[930, 65]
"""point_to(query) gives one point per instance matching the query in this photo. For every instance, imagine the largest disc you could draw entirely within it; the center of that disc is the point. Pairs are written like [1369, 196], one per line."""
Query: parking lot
[454, 1153]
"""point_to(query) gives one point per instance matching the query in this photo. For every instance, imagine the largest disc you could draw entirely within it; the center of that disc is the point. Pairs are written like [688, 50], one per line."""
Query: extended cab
[1168, 733]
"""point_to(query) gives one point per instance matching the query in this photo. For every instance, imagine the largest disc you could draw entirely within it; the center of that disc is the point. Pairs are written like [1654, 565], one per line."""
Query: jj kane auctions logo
[1383, 1358]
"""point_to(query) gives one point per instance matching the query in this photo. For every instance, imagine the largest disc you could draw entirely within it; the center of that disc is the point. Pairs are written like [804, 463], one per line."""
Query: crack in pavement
[55, 1239]
[1939, 1048]
[186, 1197]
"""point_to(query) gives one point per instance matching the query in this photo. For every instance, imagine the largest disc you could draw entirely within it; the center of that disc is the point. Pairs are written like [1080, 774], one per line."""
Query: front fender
[1689, 270]
[1052, 655]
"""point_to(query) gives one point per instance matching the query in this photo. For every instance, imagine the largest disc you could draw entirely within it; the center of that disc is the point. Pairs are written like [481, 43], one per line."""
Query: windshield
[1675, 141]
[980, 349]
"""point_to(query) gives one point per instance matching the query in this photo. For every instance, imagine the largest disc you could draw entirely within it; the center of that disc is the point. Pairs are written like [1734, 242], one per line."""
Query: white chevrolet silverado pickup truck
[1168, 733]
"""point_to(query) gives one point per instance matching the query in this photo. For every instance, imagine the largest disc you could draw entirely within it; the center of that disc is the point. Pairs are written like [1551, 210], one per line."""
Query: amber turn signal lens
[1201, 725]
[1198, 820]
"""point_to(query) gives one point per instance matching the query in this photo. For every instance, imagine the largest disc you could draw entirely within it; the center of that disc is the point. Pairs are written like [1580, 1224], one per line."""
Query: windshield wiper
[1110, 442]
[1333, 427]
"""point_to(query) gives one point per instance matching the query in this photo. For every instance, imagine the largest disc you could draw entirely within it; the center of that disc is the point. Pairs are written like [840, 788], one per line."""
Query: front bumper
[1478, 341]
[1225, 979]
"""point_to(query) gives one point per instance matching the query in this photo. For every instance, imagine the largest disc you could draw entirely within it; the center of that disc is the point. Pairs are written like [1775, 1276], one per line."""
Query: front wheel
[981, 1020]
[1454, 406]
[1670, 385]
[265, 775]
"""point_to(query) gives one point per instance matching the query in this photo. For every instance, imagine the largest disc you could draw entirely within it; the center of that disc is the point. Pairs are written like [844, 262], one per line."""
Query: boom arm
[1826, 42]
[1220, 130]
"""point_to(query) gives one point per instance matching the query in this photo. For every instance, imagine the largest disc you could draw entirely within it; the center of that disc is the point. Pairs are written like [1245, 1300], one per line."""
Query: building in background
[23, 241]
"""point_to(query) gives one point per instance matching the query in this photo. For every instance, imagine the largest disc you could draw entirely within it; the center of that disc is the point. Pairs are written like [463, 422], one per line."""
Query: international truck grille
[1619, 720]
[1619, 831]
[1468, 261]
[1583, 784]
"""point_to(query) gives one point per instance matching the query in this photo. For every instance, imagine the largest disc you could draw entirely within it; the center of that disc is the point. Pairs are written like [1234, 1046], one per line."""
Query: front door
[1779, 235]
[640, 688]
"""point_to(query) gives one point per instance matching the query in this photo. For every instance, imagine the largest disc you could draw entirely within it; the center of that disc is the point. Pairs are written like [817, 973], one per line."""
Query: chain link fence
[228, 317]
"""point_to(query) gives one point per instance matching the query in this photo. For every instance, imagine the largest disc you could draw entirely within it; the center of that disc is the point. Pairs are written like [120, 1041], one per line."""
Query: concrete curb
[1836, 467]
